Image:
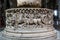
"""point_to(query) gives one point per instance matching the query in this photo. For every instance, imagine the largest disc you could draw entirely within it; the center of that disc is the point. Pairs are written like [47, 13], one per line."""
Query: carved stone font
[29, 18]
[29, 24]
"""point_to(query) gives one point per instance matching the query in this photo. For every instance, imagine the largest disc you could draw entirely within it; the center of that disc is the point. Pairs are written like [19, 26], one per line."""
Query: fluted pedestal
[29, 24]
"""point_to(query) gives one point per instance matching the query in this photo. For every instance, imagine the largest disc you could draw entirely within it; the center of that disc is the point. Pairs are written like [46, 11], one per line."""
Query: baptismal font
[29, 23]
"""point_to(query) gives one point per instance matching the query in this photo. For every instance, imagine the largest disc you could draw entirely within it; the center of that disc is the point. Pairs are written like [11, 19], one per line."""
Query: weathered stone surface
[29, 16]
[29, 2]
[29, 23]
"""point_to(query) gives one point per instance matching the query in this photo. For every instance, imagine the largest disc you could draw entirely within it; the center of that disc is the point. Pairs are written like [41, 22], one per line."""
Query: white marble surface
[58, 35]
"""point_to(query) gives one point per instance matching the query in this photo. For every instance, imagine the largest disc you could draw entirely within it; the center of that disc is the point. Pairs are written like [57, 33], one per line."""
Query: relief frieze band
[29, 16]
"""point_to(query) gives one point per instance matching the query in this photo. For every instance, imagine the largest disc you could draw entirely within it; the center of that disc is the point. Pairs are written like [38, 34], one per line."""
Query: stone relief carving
[33, 17]
[28, 2]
